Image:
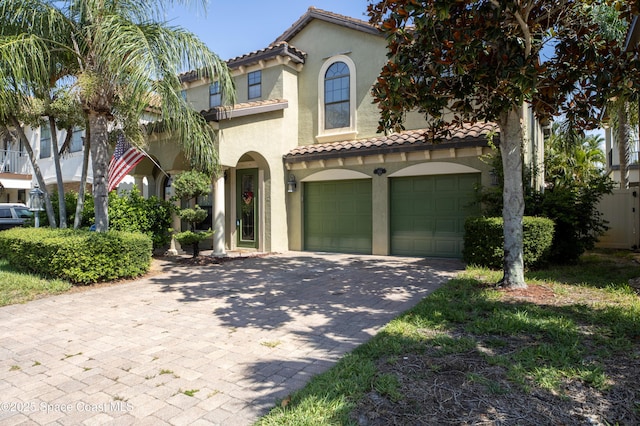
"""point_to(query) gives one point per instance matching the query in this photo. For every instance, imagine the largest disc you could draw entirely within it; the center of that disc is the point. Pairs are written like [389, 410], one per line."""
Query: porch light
[36, 200]
[291, 184]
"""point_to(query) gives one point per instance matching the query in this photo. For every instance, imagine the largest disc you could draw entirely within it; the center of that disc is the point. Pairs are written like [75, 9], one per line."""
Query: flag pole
[153, 161]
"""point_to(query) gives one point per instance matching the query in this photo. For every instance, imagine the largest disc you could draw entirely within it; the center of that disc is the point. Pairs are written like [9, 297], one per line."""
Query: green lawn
[565, 352]
[17, 287]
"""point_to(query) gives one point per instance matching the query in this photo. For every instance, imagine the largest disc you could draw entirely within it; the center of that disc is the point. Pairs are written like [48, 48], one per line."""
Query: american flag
[125, 157]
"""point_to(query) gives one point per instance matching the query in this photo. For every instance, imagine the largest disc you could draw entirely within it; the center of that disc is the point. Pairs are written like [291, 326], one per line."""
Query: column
[219, 217]
[139, 182]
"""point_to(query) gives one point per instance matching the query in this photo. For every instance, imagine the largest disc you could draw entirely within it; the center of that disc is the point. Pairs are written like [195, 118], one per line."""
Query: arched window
[337, 100]
[337, 110]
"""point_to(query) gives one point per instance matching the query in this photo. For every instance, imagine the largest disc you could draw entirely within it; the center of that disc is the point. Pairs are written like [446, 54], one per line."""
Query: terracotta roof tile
[275, 49]
[281, 48]
[466, 135]
[244, 109]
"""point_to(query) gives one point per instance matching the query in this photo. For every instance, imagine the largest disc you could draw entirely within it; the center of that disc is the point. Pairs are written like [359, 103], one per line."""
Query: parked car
[13, 214]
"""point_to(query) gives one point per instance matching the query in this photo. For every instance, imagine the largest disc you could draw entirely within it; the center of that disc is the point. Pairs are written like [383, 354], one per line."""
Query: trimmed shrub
[128, 212]
[484, 241]
[81, 257]
[131, 212]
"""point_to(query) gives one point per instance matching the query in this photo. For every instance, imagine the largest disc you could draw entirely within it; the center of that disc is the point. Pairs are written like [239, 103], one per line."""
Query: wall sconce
[291, 184]
[380, 171]
[495, 181]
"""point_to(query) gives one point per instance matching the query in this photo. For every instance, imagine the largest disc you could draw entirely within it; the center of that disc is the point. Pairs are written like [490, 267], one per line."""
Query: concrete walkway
[217, 344]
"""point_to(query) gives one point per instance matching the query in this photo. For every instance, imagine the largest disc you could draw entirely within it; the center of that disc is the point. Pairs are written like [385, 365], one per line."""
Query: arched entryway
[248, 204]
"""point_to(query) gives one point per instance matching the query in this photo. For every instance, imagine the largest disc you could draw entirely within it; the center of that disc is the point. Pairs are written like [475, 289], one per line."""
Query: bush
[80, 257]
[484, 241]
[131, 212]
[71, 200]
[578, 223]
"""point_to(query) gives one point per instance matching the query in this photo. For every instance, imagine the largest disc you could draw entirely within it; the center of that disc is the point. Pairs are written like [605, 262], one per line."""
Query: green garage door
[428, 214]
[337, 216]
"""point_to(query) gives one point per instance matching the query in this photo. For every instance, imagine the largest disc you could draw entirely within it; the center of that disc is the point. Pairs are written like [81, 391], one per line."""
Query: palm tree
[572, 158]
[121, 58]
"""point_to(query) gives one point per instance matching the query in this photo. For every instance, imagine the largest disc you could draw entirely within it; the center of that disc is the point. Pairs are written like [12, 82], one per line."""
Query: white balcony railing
[14, 162]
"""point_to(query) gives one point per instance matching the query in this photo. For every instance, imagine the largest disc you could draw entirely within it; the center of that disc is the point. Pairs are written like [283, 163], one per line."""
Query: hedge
[484, 241]
[78, 256]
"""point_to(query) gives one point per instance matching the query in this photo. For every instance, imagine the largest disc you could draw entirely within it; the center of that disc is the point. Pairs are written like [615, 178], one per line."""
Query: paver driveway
[215, 344]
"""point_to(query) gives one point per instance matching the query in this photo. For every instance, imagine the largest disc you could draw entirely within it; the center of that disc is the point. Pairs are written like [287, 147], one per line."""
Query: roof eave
[390, 149]
[313, 13]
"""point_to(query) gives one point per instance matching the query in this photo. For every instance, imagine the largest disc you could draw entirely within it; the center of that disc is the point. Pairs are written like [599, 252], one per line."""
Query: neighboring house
[16, 172]
[611, 143]
[622, 208]
[303, 167]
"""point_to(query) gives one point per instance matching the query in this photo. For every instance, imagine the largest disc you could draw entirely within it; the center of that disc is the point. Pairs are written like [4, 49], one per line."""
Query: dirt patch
[466, 389]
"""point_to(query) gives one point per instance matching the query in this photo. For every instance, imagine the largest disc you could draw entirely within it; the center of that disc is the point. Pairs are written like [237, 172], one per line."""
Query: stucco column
[219, 217]
[174, 248]
[138, 180]
[380, 215]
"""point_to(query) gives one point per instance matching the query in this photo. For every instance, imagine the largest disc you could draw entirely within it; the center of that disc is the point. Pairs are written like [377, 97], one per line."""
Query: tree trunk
[62, 206]
[513, 198]
[624, 144]
[36, 170]
[98, 141]
[83, 180]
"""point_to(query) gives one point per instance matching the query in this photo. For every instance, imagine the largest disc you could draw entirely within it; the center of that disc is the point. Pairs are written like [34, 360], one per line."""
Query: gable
[314, 14]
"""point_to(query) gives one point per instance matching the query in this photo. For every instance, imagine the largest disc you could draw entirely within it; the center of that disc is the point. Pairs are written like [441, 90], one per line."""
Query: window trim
[341, 133]
[258, 84]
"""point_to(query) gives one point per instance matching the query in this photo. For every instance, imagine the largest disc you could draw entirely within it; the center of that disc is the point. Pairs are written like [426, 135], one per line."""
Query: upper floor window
[255, 84]
[215, 96]
[337, 96]
[337, 114]
[45, 141]
[76, 140]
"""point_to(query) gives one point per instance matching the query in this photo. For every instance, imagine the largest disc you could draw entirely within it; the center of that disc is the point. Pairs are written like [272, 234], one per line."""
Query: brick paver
[217, 344]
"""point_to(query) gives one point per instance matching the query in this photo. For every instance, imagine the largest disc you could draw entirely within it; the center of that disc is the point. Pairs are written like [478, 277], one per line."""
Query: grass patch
[18, 287]
[571, 341]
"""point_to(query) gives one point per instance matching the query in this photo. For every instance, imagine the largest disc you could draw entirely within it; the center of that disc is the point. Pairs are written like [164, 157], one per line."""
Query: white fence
[621, 210]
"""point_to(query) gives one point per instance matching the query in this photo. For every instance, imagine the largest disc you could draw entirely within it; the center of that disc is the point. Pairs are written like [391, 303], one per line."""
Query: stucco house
[16, 172]
[303, 165]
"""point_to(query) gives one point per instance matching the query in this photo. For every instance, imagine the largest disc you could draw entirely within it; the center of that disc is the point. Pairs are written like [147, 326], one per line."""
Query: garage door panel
[428, 214]
[337, 216]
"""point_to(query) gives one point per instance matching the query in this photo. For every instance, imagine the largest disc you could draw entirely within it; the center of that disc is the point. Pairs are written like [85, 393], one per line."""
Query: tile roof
[244, 109]
[297, 56]
[281, 48]
[323, 15]
[468, 135]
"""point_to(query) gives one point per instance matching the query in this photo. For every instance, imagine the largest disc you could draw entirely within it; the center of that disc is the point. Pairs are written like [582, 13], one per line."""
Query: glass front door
[247, 209]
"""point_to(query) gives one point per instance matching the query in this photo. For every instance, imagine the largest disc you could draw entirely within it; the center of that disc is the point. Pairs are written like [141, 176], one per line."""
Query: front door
[247, 208]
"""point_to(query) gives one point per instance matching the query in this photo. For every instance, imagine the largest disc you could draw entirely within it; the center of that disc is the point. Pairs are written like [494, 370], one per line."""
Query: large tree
[462, 61]
[121, 58]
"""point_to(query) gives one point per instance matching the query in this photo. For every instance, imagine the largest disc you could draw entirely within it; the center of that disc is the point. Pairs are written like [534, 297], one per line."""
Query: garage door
[337, 216]
[428, 214]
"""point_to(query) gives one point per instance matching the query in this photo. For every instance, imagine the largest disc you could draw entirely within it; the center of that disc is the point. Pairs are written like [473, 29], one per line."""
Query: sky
[234, 28]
